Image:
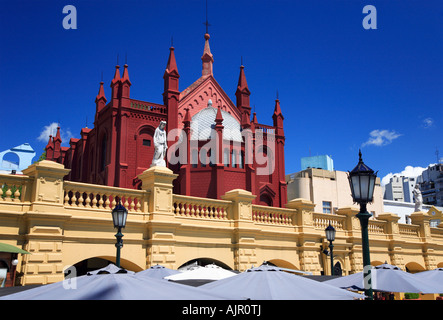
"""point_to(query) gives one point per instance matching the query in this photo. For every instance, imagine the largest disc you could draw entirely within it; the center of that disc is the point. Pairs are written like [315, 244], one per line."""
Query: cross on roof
[206, 23]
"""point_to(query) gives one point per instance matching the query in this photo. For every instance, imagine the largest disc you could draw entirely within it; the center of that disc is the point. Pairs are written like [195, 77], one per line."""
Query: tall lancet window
[241, 159]
[103, 153]
[233, 158]
[226, 157]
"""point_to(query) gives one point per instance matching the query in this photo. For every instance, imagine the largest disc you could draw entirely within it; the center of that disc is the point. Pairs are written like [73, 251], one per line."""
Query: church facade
[214, 145]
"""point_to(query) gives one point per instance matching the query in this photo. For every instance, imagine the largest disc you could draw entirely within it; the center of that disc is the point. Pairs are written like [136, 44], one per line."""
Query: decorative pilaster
[157, 181]
[352, 225]
[244, 230]
[422, 219]
[45, 224]
[392, 226]
[304, 209]
[47, 187]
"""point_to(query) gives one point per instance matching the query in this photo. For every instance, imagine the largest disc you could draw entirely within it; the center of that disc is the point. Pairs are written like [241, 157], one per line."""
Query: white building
[400, 188]
[328, 190]
[431, 185]
[405, 209]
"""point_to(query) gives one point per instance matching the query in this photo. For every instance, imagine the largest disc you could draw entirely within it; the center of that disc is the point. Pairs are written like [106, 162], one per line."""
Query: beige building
[64, 224]
[328, 190]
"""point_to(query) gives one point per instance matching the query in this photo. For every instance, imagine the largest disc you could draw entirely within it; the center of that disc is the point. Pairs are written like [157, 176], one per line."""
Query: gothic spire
[218, 117]
[207, 58]
[242, 85]
[116, 74]
[172, 64]
[101, 93]
[126, 74]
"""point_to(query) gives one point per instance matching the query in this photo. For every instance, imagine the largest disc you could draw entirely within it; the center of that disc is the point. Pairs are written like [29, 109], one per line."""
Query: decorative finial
[359, 156]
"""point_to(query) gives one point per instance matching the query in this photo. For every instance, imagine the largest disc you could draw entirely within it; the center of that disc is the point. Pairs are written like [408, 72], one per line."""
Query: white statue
[160, 145]
[418, 198]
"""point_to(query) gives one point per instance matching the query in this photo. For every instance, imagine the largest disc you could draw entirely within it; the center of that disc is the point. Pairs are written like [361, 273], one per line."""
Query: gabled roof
[196, 96]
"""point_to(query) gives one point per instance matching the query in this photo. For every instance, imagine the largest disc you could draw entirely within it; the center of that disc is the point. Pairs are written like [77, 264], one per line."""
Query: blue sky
[341, 87]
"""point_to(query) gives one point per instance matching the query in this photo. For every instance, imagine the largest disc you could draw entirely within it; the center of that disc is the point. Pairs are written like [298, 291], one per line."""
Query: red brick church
[121, 146]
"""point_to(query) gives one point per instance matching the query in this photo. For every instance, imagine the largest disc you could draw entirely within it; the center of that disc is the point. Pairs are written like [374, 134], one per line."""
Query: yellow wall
[62, 223]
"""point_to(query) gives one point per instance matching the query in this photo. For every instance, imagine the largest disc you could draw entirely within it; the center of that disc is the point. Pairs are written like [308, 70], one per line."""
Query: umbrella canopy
[435, 276]
[271, 283]
[157, 272]
[387, 278]
[208, 272]
[11, 249]
[110, 268]
[116, 287]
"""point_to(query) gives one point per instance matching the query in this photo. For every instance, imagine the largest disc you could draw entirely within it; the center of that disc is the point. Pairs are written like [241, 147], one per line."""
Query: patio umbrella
[435, 276]
[387, 278]
[208, 272]
[157, 272]
[116, 287]
[110, 268]
[270, 283]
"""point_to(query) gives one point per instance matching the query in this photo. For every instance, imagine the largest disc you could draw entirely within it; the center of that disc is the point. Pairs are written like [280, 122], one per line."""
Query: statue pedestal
[158, 182]
[422, 219]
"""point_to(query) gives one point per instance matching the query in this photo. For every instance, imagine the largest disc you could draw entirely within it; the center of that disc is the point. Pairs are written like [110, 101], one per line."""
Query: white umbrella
[116, 287]
[157, 272]
[271, 283]
[435, 276]
[110, 268]
[208, 272]
[387, 278]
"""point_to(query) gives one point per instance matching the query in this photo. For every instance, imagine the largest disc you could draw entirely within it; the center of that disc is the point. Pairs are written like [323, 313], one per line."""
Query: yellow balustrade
[62, 223]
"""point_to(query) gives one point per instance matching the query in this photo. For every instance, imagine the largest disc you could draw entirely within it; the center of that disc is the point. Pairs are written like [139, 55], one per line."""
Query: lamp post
[362, 182]
[119, 215]
[330, 236]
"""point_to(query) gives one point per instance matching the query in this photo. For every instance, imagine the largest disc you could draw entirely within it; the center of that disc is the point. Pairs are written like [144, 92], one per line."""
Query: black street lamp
[362, 182]
[330, 236]
[119, 215]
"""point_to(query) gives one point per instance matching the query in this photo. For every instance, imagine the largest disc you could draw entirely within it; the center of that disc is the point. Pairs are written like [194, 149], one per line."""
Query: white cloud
[427, 123]
[381, 138]
[52, 130]
[409, 172]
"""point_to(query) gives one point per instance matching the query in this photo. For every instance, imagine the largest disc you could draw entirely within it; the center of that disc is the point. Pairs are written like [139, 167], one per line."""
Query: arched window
[337, 269]
[103, 153]
[265, 200]
[233, 158]
[241, 159]
[226, 157]
[203, 157]
[211, 158]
